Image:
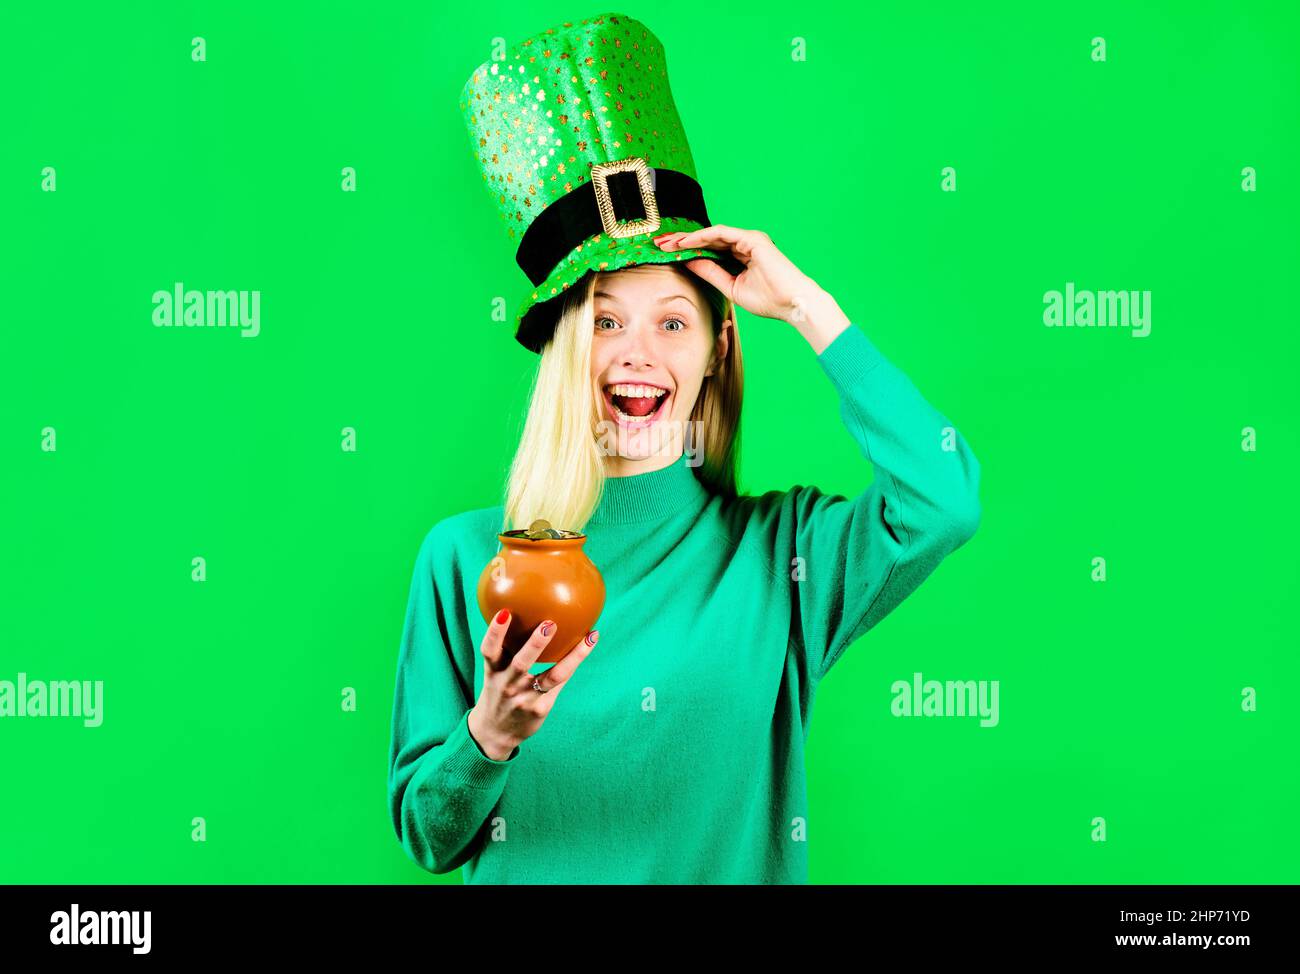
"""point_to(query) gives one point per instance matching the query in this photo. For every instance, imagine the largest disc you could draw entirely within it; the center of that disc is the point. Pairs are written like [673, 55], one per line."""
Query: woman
[671, 748]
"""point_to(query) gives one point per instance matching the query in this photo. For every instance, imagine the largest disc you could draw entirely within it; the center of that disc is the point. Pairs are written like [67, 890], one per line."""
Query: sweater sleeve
[441, 786]
[863, 556]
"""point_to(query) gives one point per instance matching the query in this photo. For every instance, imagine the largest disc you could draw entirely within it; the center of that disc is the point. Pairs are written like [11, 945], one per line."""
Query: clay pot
[539, 579]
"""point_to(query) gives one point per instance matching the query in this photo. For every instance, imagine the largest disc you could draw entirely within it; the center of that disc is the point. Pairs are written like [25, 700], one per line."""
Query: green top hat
[585, 157]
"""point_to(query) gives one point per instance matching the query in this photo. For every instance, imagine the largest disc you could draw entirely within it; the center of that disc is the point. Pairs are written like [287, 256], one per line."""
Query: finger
[494, 639]
[713, 273]
[718, 236]
[528, 653]
[559, 674]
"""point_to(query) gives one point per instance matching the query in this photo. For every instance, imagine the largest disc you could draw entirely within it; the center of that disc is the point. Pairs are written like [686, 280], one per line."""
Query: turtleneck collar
[649, 496]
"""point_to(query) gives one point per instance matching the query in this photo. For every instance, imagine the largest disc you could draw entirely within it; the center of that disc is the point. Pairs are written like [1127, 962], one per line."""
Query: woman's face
[651, 348]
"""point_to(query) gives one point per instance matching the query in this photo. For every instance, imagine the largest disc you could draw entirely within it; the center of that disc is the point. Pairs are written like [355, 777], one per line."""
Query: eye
[604, 318]
[674, 321]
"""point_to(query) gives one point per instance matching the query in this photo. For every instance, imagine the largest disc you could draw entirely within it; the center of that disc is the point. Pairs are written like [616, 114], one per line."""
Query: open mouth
[635, 404]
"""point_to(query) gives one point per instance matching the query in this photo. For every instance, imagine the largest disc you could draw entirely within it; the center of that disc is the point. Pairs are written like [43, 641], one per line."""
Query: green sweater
[676, 752]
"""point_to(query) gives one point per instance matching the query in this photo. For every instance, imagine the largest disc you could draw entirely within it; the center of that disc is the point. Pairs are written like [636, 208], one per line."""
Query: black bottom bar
[1228, 923]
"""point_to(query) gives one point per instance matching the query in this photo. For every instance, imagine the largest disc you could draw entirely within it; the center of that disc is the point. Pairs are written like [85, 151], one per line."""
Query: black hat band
[618, 193]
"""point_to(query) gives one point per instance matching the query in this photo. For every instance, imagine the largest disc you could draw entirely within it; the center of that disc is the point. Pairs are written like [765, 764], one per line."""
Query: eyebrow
[671, 297]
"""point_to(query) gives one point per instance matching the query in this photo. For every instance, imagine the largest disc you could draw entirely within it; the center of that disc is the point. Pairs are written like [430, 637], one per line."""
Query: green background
[222, 699]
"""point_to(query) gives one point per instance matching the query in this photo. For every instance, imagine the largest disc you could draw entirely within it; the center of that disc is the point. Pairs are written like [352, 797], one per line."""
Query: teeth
[636, 391]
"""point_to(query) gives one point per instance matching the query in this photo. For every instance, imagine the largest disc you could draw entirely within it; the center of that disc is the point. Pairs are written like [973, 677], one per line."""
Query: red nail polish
[503, 615]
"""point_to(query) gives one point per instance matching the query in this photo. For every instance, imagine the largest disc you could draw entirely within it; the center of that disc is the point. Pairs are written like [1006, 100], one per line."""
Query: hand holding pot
[509, 710]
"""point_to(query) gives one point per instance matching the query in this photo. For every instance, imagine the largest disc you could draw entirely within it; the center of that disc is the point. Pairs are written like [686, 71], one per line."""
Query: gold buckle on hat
[600, 173]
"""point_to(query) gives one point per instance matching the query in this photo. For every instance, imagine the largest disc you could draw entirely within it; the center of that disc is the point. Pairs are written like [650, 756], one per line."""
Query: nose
[637, 351]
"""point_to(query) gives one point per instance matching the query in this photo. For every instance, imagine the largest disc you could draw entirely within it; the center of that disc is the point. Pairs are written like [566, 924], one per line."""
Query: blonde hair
[558, 471]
